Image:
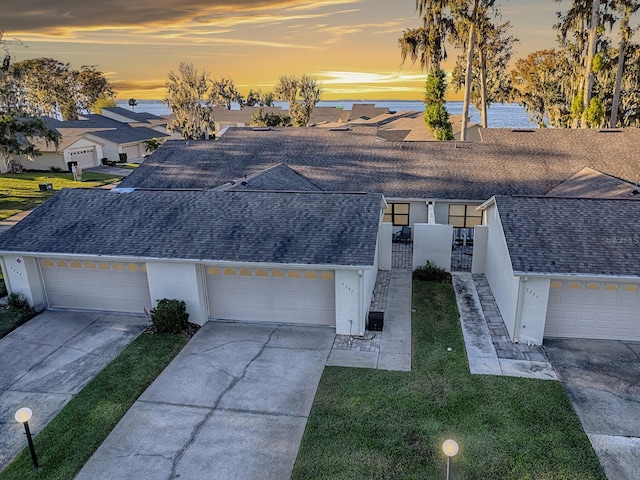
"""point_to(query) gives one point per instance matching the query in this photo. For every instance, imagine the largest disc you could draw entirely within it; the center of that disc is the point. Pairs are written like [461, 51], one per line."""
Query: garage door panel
[114, 289]
[272, 296]
[604, 310]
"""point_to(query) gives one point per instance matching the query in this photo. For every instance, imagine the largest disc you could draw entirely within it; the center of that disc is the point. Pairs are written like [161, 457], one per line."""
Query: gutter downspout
[518, 322]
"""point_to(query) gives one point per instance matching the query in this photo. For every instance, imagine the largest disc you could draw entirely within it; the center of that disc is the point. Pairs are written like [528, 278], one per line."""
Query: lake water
[500, 115]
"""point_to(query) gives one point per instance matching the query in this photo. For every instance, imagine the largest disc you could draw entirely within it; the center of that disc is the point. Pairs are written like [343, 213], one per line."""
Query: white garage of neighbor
[303, 258]
[563, 267]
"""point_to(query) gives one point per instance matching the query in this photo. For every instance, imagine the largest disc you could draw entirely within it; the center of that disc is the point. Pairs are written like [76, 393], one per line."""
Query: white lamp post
[450, 449]
[23, 416]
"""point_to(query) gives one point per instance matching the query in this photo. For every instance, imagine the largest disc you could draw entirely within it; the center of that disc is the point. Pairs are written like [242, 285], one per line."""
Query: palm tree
[626, 8]
[132, 103]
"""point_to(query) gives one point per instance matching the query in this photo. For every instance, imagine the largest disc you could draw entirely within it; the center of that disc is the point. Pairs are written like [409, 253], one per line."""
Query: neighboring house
[258, 194]
[306, 257]
[87, 141]
[136, 119]
[563, 267]
[224, 119]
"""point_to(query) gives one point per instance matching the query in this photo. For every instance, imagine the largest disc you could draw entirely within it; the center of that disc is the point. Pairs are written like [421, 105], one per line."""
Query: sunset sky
[350, 46]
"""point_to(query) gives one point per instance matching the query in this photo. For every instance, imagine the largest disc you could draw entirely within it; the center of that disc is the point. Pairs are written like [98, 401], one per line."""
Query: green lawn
[20, 191]
[377, 424]
[68, 441]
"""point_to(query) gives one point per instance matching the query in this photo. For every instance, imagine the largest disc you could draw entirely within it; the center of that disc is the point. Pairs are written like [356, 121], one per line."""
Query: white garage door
[132, 151]
[581, 309]
[96, 285]
[85, 157]
[272, 295]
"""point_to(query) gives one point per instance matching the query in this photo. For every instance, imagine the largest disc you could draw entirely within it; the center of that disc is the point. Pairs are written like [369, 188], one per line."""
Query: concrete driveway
[232, 405]
[46, 361]
[602, 379]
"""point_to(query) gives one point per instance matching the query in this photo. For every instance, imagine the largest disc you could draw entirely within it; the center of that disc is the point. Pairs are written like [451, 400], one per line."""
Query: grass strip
[379, 424]
[20, 191]
[67, 442]
[12, 318]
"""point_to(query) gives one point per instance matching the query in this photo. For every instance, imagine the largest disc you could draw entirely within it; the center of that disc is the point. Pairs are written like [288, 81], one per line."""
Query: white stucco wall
[499, 272]
[180, 281]
[533, 310]
[479, 259]
[110, 150]
[22, 276]
[385, 246]
[349, 300]
[432, 242]
[42, 162]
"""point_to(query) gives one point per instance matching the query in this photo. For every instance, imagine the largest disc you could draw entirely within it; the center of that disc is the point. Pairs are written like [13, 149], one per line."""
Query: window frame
[465, 217]
[398, 218]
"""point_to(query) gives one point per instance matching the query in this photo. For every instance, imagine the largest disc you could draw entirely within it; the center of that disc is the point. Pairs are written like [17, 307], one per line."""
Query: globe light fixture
[23, 415]
[450, 449]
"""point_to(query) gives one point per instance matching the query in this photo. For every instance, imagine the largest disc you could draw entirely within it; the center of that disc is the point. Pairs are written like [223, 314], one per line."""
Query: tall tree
[436, 117]
[224, 93]
[133, 103]
[19, 131]
[591, 51]
[625, 8]
[302, 93]
[186, 91]
[490, 83]
[536, 86]
[428, 43]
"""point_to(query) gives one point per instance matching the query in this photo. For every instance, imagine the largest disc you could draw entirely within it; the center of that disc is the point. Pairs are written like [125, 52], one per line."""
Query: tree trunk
[468, 76]
[624, 25]
[588, 76]
[483, 89]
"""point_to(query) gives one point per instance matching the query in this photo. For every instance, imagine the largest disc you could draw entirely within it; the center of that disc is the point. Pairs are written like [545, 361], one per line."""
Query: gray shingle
[279, 177]
[571, 235]
[284, 228]
[507, 163]
[126, 134]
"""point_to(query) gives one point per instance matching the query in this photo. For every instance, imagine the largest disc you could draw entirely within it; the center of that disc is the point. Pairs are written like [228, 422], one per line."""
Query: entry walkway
[389, 349]
[481, 352]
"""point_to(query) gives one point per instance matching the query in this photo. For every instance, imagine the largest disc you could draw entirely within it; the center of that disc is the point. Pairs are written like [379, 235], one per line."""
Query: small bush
[169, 316]
[3, 288]
[18, 301]
[431, 273]
[53, 169]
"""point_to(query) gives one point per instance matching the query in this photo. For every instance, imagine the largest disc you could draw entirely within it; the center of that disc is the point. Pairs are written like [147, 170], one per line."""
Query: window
[464, 216]
[398, 214]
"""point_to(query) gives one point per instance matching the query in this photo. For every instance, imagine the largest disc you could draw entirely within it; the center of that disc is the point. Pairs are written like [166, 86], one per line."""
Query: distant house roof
[571, 235]
[279, 177]
[128, 134]
[86, 122]
[357, 160]
[412, 123]
[140, 117]
[589, 183]
[282, 228]
[366, 111]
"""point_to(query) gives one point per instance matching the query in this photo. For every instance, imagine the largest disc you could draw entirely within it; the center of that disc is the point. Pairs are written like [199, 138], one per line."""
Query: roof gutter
[588, 276]
[206, 262]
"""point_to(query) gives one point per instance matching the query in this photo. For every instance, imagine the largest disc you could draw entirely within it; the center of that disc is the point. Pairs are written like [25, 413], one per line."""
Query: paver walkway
[389, 349]
[481, 352]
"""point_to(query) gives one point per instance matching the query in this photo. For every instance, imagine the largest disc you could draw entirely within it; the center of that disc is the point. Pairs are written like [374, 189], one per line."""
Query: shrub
[3, 288]
[431, 273]
[169, 316]
[18, 301]
[53, 169]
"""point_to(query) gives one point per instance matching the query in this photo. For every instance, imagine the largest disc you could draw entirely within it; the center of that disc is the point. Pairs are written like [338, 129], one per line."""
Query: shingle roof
[572, 236]
[506, 163]
[589, 183]
[283, 228]
[87, 122]
[141, 117]
[279, 177]
[128, 134]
